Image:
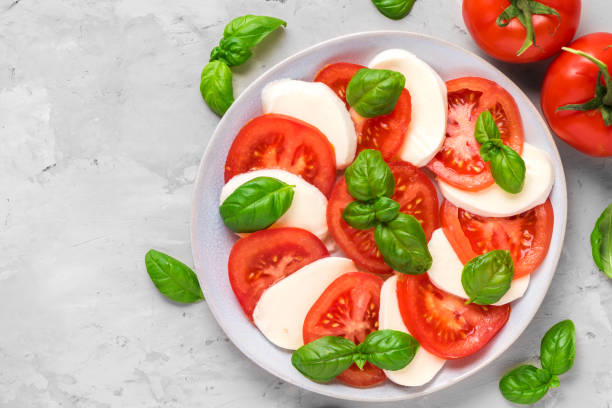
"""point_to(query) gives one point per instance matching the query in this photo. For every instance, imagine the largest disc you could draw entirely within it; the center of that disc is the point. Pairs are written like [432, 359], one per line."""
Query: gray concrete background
[102, 128]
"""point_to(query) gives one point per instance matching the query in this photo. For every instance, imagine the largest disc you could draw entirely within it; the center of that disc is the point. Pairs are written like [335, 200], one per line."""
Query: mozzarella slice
[424, 366]
[307, 210]
[427, 130]
[317, 104]
[495, 202]
[446, 269]
[282, 308]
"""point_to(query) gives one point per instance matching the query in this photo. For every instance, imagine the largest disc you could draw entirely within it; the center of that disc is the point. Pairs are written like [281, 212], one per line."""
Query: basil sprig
[173, 278]
[394, 9]
[256, 204]
[507, 166]
[527, 384]
[374, 92]
[325, 358]
[601, 242]
[487, 277]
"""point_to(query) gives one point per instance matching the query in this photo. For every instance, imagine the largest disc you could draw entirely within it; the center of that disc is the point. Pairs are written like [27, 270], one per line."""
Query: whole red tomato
[571, 79]
[496, 28]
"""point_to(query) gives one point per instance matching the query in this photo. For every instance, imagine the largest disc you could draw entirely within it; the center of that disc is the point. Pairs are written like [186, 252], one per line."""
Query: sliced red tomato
[337, 76]
[267, 256]
[281, 142]
[416, 195]
[527, 236]
[459, 163]
[442, 323]
[348, 308]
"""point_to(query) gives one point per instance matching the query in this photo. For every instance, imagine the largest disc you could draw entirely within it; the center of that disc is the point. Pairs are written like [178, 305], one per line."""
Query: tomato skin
[571, 79]
[264, 257]
[504, 42]
[337, 76]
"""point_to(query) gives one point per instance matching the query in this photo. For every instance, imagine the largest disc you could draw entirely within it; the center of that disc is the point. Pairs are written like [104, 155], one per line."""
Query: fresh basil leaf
[359, 360]
[216, 86]
[601, 242]
[232, 51]
[389, 349]
[508, 170]
[324, 358]
[558, 348]
[490, 149]
[386, 209]
[256, 204]
[369, 177]
[488, 277]
[173, 278]
[486, 128]
[403, 245]
[360, 215]
[374, 92]
[525, 384]
[252, 29]
[394, 9]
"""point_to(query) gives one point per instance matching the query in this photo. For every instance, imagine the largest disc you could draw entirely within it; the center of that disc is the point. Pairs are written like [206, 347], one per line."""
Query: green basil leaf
[508, 170]
[369, 177]
[252, 29]
[359, 360]
[490, 149]
[256, 204]
[488, 277]
[386, 209]
[232, 51]
[525, 384]
[403, 245]
[389, 349]
[486, 128]
[374, 92]
[601, 242]
[360, 215]
[173, 278]
[558, 348]
[394, 9]
[324, 358]
[216, 86]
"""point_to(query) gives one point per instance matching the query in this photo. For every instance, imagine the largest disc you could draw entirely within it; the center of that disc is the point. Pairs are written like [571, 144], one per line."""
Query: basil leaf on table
[252, 29]
[216, 86]
[394, 9]
[324, 358]
[508, 170]
[360, 215]
[173, 278]
[403, 245]
[232, 51]
[558, 348]
[374, 92]
[601, 242]
[486, 128]
[526, 384]
[487, 277]
[256, 204]
[389, 349]
[369, 177]
[386, 209]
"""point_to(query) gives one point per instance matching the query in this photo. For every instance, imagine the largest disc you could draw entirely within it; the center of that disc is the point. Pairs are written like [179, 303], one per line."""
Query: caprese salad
[348, 163]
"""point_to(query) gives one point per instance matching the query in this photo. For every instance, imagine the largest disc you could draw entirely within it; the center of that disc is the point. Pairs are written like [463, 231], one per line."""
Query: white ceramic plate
[211, 241]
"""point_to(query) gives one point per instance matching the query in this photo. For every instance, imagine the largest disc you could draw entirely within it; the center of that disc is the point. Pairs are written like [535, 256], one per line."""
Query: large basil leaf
[601, 242]
[394, 9]
[232, 51]
[252, 29]
[369, 177]
[389, 349]
[403, 245]
[488, 277]
[558, 348]
[374, 92]
[324, 358]
[525, 384]
[173, 278]
[486, 128]
[508, 170]
[256, 204]
[386, 209]
[360, 215]
[216, 86]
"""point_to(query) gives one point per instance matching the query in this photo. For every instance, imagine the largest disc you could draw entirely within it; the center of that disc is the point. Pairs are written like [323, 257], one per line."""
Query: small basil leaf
[360, 215]
[256, 204]
[386, 209]
[554, 382]
[389, 349]
[216, 86]
[394, 9]
[490, 149]
[601, 242]
[232, 51]
[488, 277]
[374, 92]
[486, 128]
[558, 348]
[369, 177]
[525, 384]
[359, 360]
[508, 170]
[250, 29]
[403, 245]
[324, 358]
[173, 278]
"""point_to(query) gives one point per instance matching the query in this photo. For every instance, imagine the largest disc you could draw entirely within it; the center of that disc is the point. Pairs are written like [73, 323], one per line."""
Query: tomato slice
[267, 256]
[348, 308]
[337, 76]
[275, 141]
[527, 236]
[459, 163]
[416, 195]
[442, 323]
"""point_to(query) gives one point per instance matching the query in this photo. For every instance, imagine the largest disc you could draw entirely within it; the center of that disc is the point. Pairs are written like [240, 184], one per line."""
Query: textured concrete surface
[101, 129]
